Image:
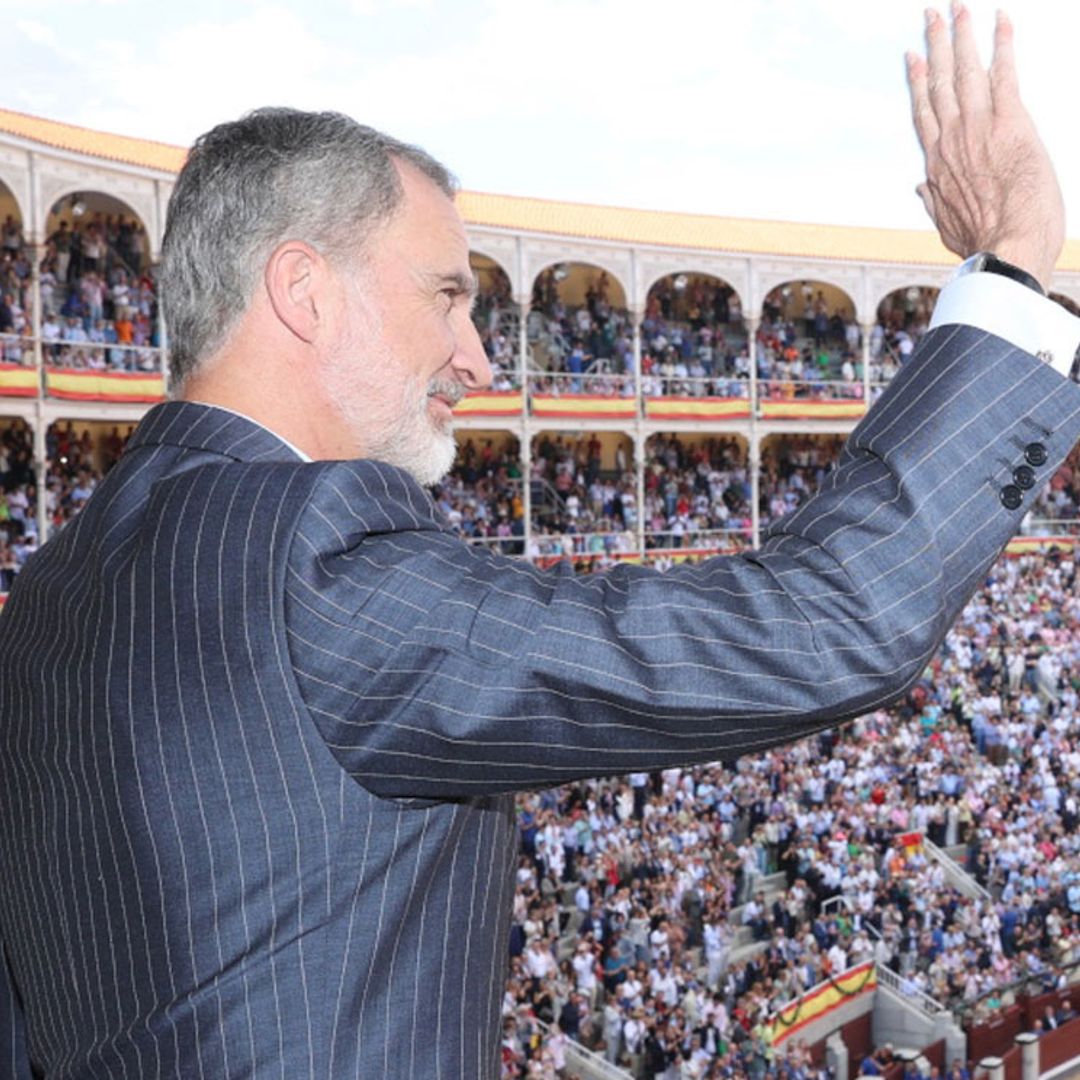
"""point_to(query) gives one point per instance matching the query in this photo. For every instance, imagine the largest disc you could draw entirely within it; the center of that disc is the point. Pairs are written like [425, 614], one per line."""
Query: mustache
[450, 389]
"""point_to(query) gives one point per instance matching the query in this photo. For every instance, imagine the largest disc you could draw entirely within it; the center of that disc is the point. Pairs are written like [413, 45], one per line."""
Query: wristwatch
[987, 262]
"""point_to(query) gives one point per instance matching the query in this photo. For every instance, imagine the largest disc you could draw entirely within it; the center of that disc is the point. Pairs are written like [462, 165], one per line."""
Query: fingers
[1004, 87]
[940, 77]
[922, 113]
[969, 79]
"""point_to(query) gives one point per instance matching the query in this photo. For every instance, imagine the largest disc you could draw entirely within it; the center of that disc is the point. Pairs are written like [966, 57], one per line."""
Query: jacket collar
[205, 427]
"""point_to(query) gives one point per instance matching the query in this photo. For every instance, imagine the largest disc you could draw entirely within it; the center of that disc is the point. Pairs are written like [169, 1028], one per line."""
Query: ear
[294, 277]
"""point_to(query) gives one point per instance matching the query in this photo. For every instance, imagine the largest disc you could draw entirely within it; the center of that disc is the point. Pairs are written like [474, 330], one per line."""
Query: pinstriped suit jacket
[260, 719]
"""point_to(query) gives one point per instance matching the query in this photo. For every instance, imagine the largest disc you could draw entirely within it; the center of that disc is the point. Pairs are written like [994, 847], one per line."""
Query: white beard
[388, 413]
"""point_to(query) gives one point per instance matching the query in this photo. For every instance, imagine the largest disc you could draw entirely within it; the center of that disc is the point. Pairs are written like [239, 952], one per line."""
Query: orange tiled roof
[695, 231]
[706, 232]
[99, 144]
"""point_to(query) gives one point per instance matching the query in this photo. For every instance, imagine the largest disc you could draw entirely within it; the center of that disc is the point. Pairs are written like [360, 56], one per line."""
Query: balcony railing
[102, 356]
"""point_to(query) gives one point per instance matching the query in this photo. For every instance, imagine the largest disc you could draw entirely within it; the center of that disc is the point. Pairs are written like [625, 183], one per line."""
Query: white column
[41, 469]
[1028, 1042]
[866, 363]
[526, 480]
[994, 1066]
[751, 343]
[524, 304]
[636, 317]
[639, 477]
[754, 464]
[41, 464]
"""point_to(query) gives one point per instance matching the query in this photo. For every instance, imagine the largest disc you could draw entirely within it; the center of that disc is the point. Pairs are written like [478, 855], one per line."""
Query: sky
[779, 109]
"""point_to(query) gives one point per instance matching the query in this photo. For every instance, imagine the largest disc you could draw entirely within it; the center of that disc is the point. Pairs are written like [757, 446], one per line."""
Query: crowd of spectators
[15, 309]
[697, 495]
[693, 341]
[902, 319]
[1057, 506]
[98, 299]
[579, 348]
[77, 460]
[580, 510]
[642, 929]
[497, 320]
[482, 495]
[18, 500]
[807, 348]
[793, 467]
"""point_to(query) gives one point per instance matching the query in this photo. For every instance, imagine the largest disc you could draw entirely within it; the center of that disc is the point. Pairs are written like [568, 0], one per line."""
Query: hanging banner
[491, 403]
[584, 406]
[696, 408]
[1034, 545]
[821, 1000]
[104, 386]
[811, 410]
[18, 381]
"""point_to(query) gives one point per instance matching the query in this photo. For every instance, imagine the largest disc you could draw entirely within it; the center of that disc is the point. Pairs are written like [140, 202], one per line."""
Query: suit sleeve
[437, 670]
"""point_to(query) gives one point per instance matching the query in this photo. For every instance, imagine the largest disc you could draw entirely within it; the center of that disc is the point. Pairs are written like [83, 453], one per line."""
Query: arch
[65, 205]
[692, 271]
[791, 296]
[579, 332]
[583, 493]
[492, 257]
[808, 341]
[792, 465]
[696, 494]
[95, 267]
[921, 283]
[693, 321]
[9, 204]
[767, 283]
[576, 270]
[497, 318]
[901, 318]
[491, 275]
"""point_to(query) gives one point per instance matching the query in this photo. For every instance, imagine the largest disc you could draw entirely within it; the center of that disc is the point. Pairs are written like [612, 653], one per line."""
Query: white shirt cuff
[1013, 312]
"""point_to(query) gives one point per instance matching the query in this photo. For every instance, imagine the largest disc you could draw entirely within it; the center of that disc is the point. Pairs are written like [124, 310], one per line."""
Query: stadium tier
[901, 898]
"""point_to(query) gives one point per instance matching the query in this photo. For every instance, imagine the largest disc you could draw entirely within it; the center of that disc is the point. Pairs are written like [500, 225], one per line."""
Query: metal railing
[772, 388]
[655, 384]
[734, 539]
[102, 356]
[911, 994]
[842, 901]
[955, 874]
[17, 349]
[1050, 526]
[601, 383]
[589, 1064]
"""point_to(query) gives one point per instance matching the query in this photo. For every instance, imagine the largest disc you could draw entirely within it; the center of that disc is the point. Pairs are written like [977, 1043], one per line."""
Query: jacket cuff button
[1024, 477]
[1035, 454]
[1011, 496]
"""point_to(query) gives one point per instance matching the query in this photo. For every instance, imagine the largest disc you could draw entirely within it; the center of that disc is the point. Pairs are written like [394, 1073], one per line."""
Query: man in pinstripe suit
[262, 715]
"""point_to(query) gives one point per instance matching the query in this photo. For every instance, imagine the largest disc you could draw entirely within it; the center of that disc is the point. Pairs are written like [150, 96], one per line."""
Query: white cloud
[780, 108]
[37, 32]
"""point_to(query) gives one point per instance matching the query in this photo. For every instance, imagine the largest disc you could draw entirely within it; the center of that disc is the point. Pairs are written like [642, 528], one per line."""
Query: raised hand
[990, 184]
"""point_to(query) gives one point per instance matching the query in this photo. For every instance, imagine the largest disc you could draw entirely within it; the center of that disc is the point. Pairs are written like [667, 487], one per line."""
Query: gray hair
[248, 185]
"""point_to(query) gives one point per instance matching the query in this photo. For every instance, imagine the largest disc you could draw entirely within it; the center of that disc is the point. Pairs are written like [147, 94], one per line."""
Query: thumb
[924, 193]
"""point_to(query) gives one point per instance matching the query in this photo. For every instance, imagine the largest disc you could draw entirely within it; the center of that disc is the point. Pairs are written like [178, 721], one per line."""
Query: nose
[470, 361]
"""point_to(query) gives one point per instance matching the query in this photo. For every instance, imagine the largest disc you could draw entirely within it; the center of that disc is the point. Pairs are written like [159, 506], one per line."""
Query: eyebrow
[464, 283]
